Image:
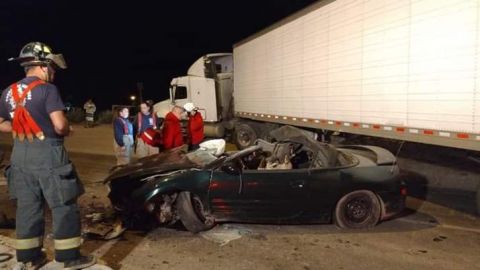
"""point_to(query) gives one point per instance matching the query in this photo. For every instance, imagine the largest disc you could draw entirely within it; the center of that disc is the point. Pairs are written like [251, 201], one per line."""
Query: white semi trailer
[406, 70]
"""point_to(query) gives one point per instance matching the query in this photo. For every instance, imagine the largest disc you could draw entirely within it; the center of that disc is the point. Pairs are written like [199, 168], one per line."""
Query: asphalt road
[427, 236]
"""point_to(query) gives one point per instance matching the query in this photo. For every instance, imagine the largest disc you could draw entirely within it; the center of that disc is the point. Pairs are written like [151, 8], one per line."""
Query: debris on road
[5, 257]
[224, 234]
[6, 223]
[439, 238]
[59, 266]
[111, 234]
[96, 217]
[115, 232]
[7, 252]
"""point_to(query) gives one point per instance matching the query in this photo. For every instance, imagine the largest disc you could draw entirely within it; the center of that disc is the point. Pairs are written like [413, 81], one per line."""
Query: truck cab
[209, 85]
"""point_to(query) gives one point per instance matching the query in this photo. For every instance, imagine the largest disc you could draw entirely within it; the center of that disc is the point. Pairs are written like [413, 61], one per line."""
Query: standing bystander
[90, 109]
[194, 126]
[123, 135]
[172, 130]
[146, 119]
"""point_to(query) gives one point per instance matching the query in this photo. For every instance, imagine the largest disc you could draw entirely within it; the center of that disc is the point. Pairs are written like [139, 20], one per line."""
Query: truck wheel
[360, 209]
[245, 136]
[192, 213]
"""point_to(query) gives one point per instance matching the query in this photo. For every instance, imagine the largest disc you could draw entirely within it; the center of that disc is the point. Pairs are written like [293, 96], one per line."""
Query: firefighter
[172, 130]
[194, 126]
[40, 168]
[123, 137]
[146, 119]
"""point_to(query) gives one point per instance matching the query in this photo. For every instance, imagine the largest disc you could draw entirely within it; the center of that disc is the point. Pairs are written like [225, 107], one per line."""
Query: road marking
[436, 224]
[103, 249]
[460, 228]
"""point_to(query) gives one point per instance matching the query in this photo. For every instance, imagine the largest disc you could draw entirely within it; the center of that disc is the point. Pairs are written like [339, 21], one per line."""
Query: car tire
[244, 136]
[191, 212]
[360, 209]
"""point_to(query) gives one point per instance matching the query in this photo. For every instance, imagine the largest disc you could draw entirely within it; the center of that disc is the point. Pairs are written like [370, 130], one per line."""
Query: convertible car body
[293, 180]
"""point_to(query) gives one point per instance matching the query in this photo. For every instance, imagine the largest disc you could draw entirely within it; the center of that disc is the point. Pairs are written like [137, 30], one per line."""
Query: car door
[274, 195]
[323, 193]
[224, 192]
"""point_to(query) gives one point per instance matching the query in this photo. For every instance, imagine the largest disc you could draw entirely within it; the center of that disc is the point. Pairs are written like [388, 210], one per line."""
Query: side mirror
[170, 90]
[231, 169]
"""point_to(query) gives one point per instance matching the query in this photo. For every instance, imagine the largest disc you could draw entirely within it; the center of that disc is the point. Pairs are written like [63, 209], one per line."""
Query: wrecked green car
[294, 179]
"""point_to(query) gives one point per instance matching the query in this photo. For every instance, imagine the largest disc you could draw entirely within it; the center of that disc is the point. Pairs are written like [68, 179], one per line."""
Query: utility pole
[140, 92]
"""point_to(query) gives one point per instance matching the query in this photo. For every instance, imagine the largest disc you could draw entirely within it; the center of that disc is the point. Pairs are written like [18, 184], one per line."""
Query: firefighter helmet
[39, 54]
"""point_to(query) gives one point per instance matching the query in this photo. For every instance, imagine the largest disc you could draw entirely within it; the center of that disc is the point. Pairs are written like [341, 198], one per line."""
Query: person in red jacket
[172, 131]
[194, 127]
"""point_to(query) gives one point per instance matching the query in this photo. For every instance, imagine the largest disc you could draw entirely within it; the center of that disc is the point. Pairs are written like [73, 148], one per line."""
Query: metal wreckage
[294, 179]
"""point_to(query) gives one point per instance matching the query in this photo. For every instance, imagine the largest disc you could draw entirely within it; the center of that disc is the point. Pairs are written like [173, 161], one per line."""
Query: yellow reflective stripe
[69, 243]
[28, 243]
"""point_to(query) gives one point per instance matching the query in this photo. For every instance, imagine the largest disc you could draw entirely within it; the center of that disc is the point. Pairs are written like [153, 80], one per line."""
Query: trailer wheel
[245, 136]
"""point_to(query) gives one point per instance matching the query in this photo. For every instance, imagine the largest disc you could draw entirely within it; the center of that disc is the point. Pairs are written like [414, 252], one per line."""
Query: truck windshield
[180, 92]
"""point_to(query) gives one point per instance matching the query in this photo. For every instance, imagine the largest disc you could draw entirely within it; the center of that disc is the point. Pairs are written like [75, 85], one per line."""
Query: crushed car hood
[171, 160]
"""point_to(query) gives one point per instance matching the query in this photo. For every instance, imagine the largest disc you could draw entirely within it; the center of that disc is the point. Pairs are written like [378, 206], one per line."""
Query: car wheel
[192, 213]
[245, 136]
[358, 210]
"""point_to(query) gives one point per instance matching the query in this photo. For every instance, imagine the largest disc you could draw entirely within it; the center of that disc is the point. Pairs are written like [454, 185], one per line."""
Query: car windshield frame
[243, 152]
[215, 164]
[202, 158]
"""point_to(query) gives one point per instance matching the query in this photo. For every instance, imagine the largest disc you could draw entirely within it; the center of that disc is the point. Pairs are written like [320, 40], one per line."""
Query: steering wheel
[252, 160]
[239, 163]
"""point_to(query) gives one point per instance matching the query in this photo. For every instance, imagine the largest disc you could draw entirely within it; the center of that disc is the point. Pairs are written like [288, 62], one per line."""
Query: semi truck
[404, 70]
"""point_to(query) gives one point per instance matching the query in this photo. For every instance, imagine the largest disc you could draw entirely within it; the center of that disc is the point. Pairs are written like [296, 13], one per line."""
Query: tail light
[403, 191]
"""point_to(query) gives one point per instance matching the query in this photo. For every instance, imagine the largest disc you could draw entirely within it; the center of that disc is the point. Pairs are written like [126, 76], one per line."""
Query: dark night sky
[111, 45]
